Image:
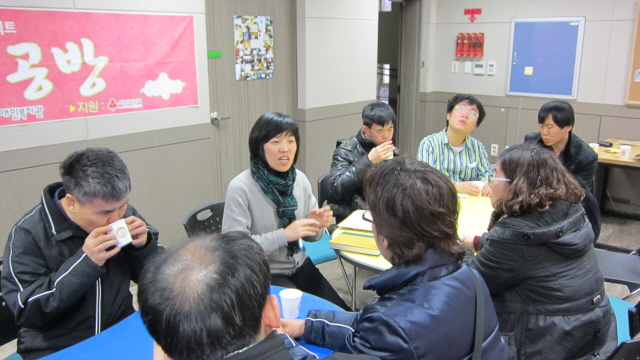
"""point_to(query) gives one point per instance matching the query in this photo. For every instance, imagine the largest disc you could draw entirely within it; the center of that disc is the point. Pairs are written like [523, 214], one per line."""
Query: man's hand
[381, 152]
[485, 189]
[322, 215]
[292, 327]
[97, 243]
[467, 240]
[301, 228]
[467, 187]
[138, 231]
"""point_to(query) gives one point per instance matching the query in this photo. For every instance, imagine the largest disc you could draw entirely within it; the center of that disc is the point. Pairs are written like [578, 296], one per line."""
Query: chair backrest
[323, 189]
[8, 327]
[620, 268]
[206, 219]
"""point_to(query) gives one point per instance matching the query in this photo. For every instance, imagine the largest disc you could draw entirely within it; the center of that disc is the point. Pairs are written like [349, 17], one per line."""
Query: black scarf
[278, 187]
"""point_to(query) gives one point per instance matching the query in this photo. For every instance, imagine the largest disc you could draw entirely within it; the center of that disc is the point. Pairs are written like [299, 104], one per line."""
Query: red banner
[67, 64]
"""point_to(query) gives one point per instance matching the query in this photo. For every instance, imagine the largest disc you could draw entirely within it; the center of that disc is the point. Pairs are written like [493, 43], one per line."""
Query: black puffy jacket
[546, 285]
[58, 295]
[349, 167]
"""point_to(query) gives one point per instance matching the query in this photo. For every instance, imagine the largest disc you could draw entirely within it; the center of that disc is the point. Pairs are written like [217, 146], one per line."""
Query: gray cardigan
[249, 210]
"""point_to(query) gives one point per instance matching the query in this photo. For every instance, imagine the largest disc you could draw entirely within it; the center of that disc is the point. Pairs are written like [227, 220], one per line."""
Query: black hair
[561, 113]
[205, 300]
[378, 113]
[95, 173]
[268, 126]
[472, 100]
[415, 207]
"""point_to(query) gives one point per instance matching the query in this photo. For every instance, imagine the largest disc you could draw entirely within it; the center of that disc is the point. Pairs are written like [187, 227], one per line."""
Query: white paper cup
[290, 299]
[479, 184]
[121, 231]
[594, 146]
[389, 157]
[625, 151]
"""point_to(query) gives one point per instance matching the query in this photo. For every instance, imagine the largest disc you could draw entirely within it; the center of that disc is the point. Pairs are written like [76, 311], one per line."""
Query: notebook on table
[355, 242]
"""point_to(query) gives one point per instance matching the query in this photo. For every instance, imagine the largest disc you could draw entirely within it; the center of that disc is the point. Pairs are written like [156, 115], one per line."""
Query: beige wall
[337, 64]
[605, 53]
[337, 52]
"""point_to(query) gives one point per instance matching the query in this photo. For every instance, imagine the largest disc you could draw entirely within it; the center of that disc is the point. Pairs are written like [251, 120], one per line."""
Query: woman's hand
[322, 215]
[292, 327]
[301, 228]
[467, 240]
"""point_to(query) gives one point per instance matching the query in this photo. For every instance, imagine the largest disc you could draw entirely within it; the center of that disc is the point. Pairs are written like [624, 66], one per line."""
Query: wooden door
[240, 103]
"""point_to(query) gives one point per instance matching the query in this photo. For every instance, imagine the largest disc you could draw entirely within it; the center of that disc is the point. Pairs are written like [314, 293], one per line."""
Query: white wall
[337, 51]
[605, 55]
[79, 129]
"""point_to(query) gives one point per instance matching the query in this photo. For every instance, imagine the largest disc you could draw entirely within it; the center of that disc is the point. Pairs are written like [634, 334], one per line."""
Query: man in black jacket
[210, 300]
[556, 119]
[354, 156]
[65, 278]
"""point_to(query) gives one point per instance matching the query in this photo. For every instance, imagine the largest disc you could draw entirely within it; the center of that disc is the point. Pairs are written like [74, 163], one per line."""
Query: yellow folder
[354, 242]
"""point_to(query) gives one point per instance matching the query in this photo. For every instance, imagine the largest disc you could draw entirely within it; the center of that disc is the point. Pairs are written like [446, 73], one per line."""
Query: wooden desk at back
[473, 219]
[606, 161]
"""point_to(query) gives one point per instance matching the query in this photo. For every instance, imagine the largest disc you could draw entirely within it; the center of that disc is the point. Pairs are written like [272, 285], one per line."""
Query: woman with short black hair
[273, 203]
[539, 262]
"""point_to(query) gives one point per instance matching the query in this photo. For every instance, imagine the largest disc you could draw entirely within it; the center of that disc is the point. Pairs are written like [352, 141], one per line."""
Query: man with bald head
[210, 300]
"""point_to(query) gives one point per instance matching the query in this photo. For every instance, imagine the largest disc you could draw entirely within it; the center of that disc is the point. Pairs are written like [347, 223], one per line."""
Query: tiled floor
[615, 231]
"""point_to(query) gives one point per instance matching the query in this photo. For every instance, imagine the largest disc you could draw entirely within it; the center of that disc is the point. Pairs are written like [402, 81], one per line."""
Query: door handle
[215, 119]
[515, 58]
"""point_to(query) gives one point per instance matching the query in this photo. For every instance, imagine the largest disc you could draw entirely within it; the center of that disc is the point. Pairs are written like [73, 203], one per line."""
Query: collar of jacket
[366, 144]
[271, 347]
[58, 224]
[433, 266]
[569, 149]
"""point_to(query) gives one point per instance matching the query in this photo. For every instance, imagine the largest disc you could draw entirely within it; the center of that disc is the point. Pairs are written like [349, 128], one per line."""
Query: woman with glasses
[539, 262]
[426, 304]
[273, 203]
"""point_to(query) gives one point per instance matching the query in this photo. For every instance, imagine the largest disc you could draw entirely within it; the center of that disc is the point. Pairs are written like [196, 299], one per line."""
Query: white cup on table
[290, 299]
[625, 151]
[594, 146]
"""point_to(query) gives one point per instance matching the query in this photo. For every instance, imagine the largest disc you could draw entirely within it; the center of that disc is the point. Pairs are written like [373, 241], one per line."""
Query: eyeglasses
[492, 179]
[366, 216]
[470, 112]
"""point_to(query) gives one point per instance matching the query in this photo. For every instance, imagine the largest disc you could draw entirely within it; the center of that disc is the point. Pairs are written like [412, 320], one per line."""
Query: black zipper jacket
[58, 295]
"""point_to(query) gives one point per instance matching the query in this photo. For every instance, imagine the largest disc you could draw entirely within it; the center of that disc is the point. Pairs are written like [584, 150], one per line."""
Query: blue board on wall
[545, 57]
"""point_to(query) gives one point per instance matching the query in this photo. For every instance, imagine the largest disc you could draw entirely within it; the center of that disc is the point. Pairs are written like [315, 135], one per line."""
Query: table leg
[353, 294]
[346, 278]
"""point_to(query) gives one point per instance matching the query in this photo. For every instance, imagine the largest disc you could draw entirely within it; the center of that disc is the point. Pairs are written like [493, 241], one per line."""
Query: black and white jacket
[58, 295]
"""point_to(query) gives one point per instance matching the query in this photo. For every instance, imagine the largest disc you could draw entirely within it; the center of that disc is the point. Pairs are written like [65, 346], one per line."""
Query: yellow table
[473, 219]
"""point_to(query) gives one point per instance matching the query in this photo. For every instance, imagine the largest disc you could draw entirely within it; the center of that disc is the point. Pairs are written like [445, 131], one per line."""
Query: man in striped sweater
[455, 153]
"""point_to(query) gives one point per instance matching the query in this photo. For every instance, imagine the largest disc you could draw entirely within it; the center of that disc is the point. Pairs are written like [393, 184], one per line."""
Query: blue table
[129, 338]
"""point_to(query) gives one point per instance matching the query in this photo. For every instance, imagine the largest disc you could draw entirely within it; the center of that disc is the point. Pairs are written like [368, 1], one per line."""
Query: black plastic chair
[323, 188]
[8, 327]
[206, 219]
[619, 266]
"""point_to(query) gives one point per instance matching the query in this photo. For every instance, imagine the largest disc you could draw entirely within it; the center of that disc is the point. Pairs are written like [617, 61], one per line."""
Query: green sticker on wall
[214, 54]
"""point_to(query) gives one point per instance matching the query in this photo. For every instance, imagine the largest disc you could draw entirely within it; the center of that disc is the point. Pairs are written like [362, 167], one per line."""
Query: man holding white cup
[66, 278]
[353, 157]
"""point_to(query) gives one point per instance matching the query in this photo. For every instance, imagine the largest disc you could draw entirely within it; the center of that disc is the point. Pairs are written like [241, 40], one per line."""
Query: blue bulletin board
[544, 57]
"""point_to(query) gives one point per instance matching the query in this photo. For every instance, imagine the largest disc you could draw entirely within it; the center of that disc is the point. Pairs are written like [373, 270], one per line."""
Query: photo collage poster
[253, 37]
